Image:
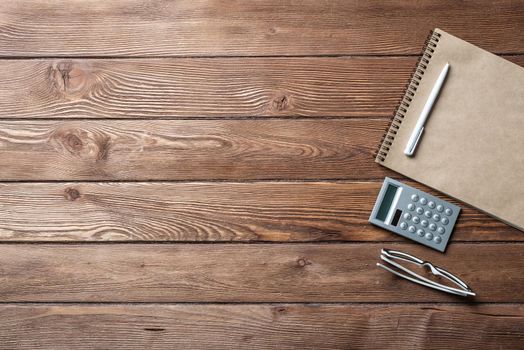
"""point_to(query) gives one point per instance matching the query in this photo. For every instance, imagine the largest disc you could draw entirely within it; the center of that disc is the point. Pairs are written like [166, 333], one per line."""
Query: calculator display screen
[387, 200]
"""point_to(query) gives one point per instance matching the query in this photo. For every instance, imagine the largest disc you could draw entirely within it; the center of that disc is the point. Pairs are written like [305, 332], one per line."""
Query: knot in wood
[73, 143]
[67, 77]
[71, 194]
[278, 311]
[280, 102]
[85, 144]
[303, 262]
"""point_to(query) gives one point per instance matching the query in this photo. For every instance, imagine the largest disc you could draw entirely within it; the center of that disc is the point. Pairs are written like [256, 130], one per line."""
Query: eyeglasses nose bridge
[432, 268]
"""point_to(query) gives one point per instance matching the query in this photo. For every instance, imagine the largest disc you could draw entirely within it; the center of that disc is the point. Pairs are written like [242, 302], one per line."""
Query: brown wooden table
[199, 174]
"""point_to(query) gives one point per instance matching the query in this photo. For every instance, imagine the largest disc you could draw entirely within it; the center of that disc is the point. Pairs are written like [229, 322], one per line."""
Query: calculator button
[431, 204]
[437, 239]
[432, 227]
[411, 206]
[424, 223]
[428, 214]
[419, 210]
[440, 208]
[412, 229]
[423, 201]
[436, 217]
[416, 219]
[444, 221]
[441, 230]
[429, 236]
[407, 216]
[403, 225]
[420, 232]
[414, 198]
[448, 211]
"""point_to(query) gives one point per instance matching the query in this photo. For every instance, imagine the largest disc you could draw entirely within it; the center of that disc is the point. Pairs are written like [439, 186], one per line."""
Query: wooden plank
[248, 212]
[204, 87]
[190, 149]
[247, 273]
[281, 326]
[275, 27]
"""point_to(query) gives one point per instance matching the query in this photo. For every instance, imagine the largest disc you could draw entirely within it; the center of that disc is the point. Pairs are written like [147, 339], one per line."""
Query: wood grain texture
[276, 27]
[247, 212]
[247, 273]
[282, 326]
[204, 88]
[190, 149]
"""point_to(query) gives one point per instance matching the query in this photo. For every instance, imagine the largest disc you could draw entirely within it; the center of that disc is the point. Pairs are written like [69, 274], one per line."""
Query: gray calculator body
[414, 214]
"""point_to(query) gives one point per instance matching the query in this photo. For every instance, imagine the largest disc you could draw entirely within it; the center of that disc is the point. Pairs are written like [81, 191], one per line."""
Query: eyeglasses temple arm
[451, 277]
[395, 254]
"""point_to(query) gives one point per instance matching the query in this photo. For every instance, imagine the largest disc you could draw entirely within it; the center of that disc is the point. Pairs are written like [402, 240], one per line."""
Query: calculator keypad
[434, 219]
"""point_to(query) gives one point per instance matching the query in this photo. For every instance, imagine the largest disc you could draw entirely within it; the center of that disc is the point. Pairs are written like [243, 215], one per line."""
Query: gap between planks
[349, 56]
[261, 303]
[240, 243]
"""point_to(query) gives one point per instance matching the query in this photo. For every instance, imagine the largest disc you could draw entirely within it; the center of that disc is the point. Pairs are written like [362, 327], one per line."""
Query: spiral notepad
[473, 142]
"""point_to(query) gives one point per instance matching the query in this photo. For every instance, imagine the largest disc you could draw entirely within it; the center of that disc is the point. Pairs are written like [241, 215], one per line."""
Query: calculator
[414, 214]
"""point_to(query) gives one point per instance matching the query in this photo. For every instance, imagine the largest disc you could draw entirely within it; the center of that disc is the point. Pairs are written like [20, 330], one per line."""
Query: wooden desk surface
[199, 174]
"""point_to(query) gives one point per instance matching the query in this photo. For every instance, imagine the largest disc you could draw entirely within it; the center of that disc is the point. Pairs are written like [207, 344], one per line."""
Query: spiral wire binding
[410, 90]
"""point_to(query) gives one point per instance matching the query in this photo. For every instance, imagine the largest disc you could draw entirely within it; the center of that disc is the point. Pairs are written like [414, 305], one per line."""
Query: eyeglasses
[390, 255]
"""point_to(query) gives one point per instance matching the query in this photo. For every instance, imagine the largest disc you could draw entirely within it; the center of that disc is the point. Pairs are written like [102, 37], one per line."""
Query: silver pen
[419, 127]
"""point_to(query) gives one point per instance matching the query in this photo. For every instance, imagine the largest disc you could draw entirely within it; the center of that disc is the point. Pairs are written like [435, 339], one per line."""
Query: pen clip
[410, 151]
